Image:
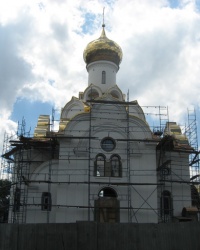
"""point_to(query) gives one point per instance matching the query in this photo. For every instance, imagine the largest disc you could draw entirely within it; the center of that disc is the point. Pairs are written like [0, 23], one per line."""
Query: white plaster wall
[71, 199]
[144, 196]
[181, 193]
[46, 171]
[106, 121]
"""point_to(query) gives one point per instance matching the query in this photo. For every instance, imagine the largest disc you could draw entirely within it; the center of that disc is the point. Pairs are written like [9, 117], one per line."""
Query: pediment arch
[116, 93]
[92, 92]
[73, 107]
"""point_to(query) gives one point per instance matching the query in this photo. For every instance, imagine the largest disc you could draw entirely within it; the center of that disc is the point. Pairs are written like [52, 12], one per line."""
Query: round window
[108, 144]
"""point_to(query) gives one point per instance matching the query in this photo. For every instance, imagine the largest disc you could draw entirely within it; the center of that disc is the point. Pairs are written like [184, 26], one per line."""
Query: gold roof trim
[43, 126]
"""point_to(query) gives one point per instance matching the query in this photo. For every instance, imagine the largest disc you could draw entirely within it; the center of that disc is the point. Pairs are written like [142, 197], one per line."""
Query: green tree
[4, 200]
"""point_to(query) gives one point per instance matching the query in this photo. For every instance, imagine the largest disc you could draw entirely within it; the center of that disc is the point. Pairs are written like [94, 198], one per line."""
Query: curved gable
[116, 93]
[92, 92]
[139, 129]
[136, 110]
[73, 107]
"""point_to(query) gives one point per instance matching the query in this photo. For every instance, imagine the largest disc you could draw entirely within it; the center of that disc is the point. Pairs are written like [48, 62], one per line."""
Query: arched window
[46, 201]
[92, 94]
[115, 166]
[166, 205]
[111, 168]
[107, 192]
[103, 80]
[100, 165]
[115, 94]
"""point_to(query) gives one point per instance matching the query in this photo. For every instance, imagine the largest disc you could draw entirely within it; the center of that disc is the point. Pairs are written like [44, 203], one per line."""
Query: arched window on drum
[103, 80]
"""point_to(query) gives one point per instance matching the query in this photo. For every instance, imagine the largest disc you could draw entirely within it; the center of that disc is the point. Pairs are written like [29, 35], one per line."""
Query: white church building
[105, 163]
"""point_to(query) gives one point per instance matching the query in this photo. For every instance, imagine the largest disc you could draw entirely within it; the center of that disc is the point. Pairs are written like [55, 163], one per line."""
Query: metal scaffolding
[18, 156]
[192, 134]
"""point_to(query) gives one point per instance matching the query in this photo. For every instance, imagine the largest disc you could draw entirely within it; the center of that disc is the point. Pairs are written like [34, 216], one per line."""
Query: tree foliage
[4, 199]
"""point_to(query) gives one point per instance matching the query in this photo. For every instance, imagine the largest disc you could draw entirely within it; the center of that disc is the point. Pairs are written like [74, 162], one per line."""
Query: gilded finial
[103, 25]
[102, 49]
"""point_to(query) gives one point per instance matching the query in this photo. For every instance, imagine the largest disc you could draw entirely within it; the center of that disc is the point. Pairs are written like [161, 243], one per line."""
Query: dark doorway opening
[107, 206]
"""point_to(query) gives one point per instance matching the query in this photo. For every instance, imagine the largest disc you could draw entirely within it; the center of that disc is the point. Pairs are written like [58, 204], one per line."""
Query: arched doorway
[107, 206]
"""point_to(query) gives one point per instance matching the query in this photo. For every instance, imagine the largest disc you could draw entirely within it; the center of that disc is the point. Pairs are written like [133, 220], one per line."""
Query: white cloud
[8, 129]
[161, 55]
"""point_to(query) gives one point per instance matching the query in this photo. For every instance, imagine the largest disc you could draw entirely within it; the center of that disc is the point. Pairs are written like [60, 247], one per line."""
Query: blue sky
[30, 111]
[42, 43]
[174, 3]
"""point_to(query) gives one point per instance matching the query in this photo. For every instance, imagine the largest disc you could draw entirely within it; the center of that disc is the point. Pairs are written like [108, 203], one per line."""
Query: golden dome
[103, 49]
